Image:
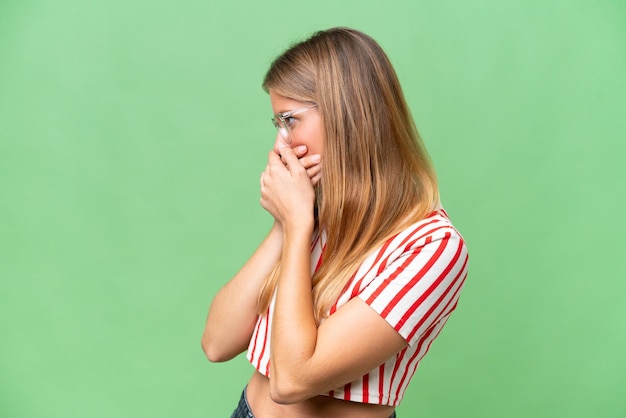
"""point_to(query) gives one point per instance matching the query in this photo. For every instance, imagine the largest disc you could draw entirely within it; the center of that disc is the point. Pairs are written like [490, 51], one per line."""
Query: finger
[300, 150]
[272, 159]
[310, 160]
[291, 160]
[316, 179]
[313, 171]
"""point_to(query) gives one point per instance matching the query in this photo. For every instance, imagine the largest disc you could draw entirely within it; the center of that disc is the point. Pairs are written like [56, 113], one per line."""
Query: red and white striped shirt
[413, 281]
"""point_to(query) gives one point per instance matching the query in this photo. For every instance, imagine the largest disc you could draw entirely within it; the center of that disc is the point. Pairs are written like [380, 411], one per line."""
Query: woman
[362, 267]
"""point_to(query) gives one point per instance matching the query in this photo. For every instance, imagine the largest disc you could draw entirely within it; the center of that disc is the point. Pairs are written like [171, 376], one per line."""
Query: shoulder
[429, 245]
[429, 248]
[435, 228]
[417, 280]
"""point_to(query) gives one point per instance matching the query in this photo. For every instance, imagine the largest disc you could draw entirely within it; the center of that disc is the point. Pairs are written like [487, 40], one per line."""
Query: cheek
[310, 134]
[313, 141]
[319, 142]
[318, 146]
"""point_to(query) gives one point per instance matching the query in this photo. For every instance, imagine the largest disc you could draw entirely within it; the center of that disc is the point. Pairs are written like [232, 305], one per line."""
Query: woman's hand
[313, 167]
[310, 162]
[287, 186]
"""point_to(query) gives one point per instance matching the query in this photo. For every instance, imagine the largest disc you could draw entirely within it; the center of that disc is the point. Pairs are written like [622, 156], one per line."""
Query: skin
[307, 128]
[305, 359]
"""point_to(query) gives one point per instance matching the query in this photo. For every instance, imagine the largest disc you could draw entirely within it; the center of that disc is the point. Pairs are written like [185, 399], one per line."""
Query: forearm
[233, 312]
[294, 330]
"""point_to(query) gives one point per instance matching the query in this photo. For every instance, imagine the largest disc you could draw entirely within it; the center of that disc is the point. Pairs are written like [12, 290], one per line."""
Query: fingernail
[301, 148]
[316, 158]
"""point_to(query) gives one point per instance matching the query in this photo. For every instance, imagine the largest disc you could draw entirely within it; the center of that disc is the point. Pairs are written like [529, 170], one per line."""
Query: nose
[279, 143]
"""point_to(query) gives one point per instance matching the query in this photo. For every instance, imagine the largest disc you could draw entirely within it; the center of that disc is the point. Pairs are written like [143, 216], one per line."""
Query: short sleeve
[421, 286]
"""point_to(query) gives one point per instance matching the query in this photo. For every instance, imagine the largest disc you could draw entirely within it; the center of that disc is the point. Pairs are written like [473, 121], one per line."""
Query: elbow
[283, 396]
[215, 356]
[286, 393]
[213, 352]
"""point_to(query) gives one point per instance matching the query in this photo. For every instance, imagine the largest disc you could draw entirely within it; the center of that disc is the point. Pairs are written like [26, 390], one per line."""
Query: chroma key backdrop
[132, 137]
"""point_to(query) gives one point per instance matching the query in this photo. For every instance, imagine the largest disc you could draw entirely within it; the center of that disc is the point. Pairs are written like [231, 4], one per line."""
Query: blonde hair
[377, 177]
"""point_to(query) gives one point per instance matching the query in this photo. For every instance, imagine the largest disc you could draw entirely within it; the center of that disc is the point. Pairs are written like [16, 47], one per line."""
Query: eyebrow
[298, 109]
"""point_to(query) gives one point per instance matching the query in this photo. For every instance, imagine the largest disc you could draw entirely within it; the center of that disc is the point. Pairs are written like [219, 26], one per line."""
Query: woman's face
[306, 128]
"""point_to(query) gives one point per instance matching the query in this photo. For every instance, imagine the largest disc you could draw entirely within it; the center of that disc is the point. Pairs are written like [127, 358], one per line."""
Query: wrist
[277, 228]
[302, 228]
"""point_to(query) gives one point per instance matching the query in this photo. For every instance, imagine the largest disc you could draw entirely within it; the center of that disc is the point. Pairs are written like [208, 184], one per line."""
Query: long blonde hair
[377, 177]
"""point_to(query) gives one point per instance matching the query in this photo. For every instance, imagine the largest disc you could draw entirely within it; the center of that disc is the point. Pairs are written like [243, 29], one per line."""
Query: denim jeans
[243, 408]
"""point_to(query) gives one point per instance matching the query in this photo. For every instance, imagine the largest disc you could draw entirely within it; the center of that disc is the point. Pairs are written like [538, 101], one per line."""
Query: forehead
[282, 104]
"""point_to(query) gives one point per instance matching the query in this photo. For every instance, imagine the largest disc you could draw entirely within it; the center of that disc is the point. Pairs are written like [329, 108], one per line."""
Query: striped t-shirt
[413, 281]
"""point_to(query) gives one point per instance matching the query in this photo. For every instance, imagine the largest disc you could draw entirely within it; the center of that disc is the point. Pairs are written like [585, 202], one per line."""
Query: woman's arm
[233, 312]
[307, 360]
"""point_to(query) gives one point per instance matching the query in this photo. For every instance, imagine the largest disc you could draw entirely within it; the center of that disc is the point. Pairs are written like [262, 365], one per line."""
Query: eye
[290, 120]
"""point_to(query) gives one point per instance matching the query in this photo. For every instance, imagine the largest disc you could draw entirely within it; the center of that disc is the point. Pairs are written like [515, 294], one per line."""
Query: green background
[132, 135]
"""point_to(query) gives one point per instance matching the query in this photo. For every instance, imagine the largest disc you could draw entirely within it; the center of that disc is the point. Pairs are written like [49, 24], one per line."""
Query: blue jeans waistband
[243, 408]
